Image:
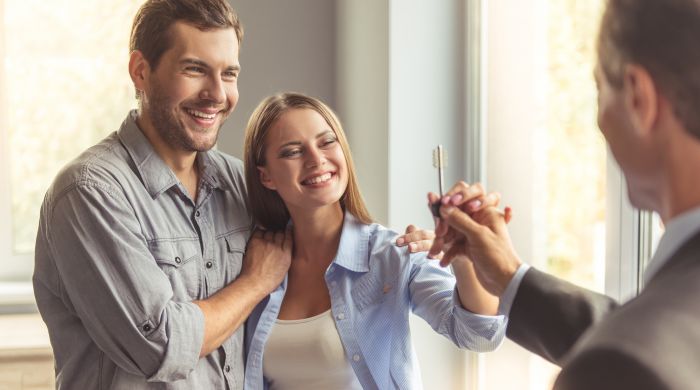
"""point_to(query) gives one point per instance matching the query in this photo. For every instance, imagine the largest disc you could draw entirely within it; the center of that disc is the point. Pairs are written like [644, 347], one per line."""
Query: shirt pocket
[233, 247]
[181, 262]
[373, 289]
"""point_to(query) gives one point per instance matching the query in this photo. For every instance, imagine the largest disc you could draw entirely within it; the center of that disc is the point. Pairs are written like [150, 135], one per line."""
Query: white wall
[401, 93]
[509, 164]
[394, 72]
[363, 95]
[287, 46]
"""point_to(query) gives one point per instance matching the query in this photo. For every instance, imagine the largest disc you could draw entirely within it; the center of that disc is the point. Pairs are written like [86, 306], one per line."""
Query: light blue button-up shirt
[374, 285]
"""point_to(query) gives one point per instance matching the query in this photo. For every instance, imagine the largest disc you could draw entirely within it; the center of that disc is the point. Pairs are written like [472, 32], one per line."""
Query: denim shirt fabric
[121, 253]
[374, 285]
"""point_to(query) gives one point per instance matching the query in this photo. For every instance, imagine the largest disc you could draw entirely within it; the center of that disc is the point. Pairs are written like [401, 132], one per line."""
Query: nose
[314, 157]
[214, 91]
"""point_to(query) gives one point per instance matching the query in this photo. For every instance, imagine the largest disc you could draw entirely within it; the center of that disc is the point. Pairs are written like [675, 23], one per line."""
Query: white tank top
[307, 354]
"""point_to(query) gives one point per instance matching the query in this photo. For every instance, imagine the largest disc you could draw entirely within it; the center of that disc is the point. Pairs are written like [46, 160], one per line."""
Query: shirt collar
[678, 231]
[157, 176]
[210, 174]
[353, 250]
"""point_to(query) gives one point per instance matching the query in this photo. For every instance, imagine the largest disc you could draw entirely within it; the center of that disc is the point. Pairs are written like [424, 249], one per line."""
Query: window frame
[14, 296]
[476, 135]
[630, 236]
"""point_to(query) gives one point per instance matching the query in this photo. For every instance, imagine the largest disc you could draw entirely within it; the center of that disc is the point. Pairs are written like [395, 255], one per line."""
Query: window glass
[546, 154]
[65, 87]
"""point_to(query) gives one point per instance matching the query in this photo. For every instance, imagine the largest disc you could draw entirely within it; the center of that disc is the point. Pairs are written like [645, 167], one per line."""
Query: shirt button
[227, 368]
[147, 328]
[341, 316]
[197, 213]
[356, 358]
[209, 264]
[178, 260]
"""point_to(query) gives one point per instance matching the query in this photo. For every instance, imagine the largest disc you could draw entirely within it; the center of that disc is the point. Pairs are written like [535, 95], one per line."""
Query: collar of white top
[303, 320]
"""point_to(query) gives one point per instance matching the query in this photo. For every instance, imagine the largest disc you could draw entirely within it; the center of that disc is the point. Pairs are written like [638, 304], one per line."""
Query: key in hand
[439, 162]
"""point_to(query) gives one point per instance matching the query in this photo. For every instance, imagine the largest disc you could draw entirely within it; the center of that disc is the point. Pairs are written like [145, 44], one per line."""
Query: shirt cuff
[185, 335]
[506, 300]
[484, 325]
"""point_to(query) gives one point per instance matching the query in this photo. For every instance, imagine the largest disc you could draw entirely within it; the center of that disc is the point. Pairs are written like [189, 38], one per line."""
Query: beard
[172, 130]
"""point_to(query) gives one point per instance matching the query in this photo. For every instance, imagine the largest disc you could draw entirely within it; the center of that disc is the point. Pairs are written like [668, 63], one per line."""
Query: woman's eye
[329, 141]
[291, 153]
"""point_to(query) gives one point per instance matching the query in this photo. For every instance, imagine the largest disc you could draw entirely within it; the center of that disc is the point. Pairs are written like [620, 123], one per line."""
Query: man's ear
[641, 97]
[265, 179]
[138, 70]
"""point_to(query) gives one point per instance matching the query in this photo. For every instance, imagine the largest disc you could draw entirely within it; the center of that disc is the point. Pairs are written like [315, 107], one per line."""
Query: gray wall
[287, 46]
[394, 72]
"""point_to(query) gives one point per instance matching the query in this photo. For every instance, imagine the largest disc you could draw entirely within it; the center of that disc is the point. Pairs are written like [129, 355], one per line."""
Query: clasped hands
[472, 228]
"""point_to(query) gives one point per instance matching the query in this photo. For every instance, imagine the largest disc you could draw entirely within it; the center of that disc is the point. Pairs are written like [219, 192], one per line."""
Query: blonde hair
[269, 211]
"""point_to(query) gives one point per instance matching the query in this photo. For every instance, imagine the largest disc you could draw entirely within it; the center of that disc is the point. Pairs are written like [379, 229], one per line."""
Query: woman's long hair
[269, 211]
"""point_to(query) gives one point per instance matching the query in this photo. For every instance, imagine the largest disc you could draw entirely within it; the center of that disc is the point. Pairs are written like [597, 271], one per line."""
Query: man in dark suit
[648, 78]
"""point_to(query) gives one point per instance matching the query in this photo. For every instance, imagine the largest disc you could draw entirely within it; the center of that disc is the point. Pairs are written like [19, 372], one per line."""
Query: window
[547, 156]
[63, 87]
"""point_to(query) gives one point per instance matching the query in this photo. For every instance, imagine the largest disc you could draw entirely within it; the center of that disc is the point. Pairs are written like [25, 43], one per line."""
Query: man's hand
[470, 199]
[483, 238]
[267, 258]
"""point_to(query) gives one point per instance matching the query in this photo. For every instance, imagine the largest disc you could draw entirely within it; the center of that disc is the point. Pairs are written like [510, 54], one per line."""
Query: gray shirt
[121, 253]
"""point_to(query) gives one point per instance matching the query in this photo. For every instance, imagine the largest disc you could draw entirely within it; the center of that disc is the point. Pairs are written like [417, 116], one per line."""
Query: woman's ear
[265, 179]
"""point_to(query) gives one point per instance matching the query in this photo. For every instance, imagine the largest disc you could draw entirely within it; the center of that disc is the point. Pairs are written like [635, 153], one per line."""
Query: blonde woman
[340, 318]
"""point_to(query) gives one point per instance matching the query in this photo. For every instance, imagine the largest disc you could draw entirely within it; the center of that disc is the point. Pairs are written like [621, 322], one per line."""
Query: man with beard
[139, 270]
[648, 95]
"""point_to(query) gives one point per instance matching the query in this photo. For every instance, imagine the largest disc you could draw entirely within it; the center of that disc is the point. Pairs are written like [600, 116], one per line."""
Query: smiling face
[193, 89]
[305, 163]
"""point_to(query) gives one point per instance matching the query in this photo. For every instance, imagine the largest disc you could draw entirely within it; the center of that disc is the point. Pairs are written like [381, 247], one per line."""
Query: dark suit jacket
[650, 342]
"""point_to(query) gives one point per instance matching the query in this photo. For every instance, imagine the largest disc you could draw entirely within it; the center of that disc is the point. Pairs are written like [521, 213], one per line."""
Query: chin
[204, 144]
[641, 199]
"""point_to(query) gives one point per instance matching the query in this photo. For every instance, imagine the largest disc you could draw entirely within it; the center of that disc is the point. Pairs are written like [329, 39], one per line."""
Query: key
[439, 162]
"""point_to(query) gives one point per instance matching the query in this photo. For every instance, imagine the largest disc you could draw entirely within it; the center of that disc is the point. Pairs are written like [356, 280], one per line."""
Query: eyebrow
[194, 61]
[296, 143]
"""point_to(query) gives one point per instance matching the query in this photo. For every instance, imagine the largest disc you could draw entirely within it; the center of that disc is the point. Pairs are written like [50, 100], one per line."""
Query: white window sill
[16, 298]
[23, 335]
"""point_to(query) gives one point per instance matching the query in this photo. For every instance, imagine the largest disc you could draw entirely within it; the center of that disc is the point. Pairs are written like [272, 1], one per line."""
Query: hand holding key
[473, 195]
[468, 198]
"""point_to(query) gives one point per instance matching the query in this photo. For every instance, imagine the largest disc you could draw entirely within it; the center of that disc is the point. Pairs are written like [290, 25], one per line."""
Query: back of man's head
[661, 36]
[150, 30]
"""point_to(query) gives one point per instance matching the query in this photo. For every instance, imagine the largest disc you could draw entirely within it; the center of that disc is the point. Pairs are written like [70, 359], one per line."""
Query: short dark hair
[150, 30]
[662, 37]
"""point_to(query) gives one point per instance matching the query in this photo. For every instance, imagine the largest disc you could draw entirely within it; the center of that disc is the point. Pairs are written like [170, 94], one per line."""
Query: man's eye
[230, 75]
[194, 69]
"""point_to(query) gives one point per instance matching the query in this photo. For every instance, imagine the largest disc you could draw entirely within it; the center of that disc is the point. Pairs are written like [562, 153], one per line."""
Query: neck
[681, 190]
[317, 233]
[181, 162]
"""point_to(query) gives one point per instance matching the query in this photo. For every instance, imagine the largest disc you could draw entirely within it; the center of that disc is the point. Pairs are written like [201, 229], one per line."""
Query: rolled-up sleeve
[114, 285]
[434, 298]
